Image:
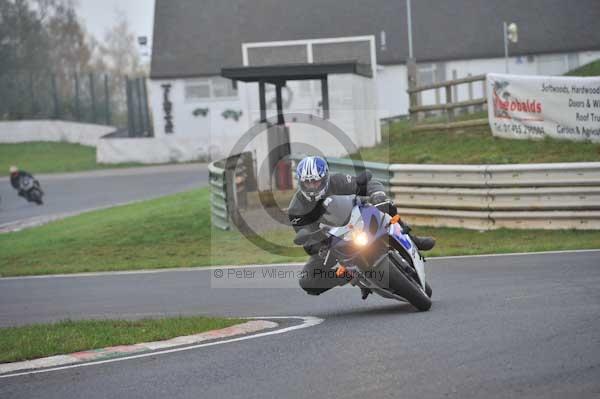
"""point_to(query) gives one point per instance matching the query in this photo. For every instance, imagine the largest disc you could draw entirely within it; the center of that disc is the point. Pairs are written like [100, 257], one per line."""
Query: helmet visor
[313, 187]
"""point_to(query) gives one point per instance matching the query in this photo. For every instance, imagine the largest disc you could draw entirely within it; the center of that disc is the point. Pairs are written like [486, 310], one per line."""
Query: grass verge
[49, 157]
[472, 146]
[591, 69]
[172, 231]
[175, 231]
[453, 241]
[41, 340]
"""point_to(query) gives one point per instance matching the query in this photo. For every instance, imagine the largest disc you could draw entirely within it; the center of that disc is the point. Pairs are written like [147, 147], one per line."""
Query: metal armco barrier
[545, 196]
[218, 195]
[380, 171]
[229, 180]
[483, 197]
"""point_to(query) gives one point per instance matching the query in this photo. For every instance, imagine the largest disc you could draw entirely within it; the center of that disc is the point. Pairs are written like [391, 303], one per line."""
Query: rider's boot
[423, 243]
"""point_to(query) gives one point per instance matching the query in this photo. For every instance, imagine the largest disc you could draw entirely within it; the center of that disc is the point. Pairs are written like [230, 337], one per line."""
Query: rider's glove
[383, 203]
[312, 249]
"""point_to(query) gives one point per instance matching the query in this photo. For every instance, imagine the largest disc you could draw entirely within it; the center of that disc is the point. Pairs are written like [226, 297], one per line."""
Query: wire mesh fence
[105, 99]
[138, 116]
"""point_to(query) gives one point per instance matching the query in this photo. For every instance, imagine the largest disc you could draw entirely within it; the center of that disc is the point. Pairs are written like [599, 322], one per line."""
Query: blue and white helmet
[313, 177]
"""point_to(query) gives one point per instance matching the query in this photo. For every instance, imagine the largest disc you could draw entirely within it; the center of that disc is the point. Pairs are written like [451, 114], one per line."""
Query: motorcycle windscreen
[338, 209]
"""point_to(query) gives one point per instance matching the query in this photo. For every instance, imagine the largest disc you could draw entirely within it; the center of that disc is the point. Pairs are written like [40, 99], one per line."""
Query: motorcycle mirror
[308, 236]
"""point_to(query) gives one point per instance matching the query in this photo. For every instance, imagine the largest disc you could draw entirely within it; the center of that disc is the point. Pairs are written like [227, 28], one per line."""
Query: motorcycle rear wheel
[35, 195]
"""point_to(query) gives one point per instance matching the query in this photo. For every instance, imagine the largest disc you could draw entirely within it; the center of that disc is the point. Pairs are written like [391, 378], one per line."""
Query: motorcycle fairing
[375, 224]
[395, 231]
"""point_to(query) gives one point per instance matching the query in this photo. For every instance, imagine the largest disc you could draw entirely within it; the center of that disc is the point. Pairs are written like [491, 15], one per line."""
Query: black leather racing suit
[316, 276]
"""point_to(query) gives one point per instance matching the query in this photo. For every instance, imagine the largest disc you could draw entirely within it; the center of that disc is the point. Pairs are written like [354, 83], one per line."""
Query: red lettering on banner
[531, 106]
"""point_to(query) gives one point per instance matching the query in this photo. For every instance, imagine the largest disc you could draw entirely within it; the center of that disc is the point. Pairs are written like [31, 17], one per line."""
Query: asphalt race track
[77, 192]
[502, 326]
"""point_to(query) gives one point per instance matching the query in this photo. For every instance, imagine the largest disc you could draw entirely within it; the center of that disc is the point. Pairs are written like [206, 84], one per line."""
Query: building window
[222, 87]
[426, 74]
[210, 88]
[197, 90]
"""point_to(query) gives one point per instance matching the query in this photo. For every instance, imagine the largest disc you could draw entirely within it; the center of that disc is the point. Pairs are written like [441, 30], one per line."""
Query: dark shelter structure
[278, 75]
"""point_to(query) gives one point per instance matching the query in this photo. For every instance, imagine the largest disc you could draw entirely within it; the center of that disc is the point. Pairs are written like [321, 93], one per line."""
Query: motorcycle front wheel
[400, 283]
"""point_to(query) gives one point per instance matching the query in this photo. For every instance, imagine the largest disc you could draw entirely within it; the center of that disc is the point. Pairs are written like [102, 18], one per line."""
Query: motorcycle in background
[31, 190]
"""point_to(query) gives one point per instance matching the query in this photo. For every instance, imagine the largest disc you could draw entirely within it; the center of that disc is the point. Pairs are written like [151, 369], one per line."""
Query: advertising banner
[530, 107]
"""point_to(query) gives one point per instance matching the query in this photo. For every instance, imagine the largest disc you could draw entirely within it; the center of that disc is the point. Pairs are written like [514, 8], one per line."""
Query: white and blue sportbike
[371, 250]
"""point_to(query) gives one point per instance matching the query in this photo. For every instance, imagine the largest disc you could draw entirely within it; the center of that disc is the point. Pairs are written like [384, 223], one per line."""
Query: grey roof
[199, 37]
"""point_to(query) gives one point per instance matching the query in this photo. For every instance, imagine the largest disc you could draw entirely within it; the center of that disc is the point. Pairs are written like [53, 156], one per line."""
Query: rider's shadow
[372, 311]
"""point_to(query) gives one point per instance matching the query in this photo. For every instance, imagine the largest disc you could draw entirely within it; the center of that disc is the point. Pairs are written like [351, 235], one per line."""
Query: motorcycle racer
[315, 183]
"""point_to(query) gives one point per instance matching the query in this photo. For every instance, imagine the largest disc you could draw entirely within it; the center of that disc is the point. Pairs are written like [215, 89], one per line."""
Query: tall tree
[23, 38]
[119, 51]
[42, 44]
[119, 56]
[23, 53]
[68, 40]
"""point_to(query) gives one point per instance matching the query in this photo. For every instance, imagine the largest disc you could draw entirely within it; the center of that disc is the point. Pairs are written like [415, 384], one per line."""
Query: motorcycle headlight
[360, 238]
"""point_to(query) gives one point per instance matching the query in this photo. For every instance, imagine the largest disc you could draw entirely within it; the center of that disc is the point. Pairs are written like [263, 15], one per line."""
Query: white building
[194, 41]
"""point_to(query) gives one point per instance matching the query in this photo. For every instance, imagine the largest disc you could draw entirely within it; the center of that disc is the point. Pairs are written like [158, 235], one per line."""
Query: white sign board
[529, 107]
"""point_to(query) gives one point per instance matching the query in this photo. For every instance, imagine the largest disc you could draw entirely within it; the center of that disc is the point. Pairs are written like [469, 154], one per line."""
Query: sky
[99, 15]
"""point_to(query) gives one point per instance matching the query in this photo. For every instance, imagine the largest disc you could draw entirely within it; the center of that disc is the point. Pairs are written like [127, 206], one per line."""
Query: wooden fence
[448, 108]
